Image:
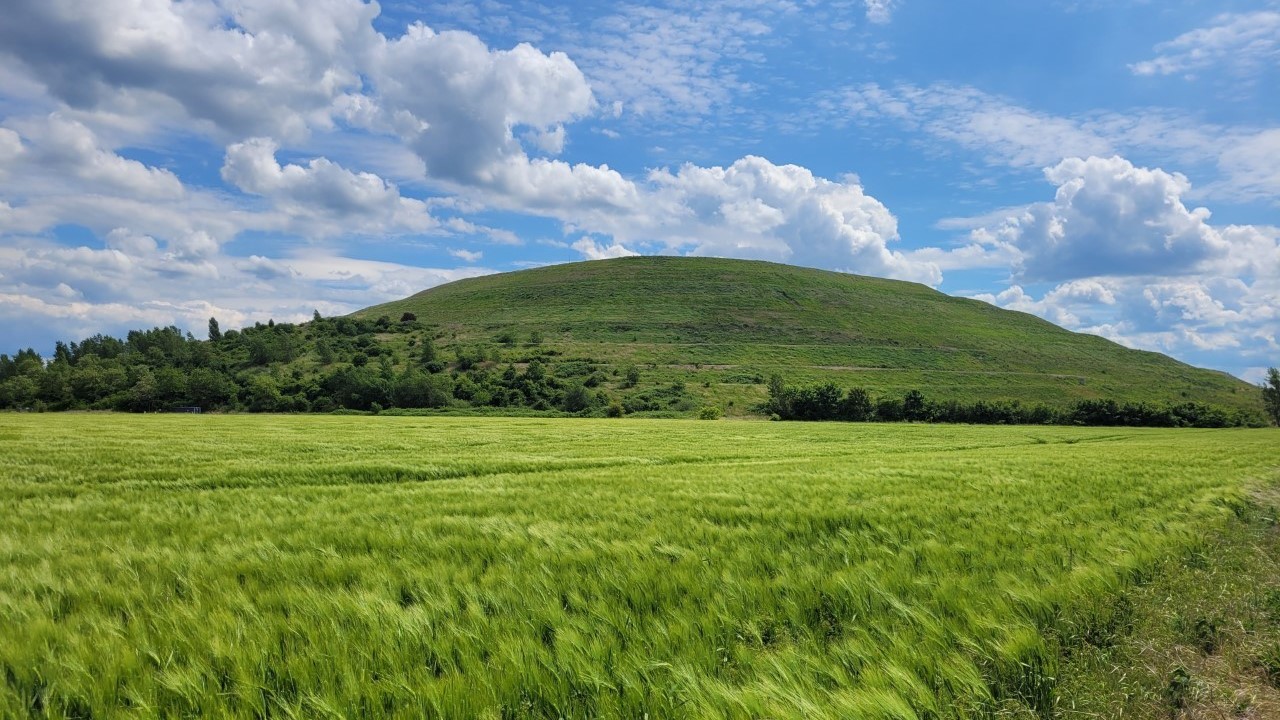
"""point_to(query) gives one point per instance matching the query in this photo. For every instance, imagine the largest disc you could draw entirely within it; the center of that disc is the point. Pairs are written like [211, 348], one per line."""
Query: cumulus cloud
[1126, 259]
[1182, 315]
[64, 174]
[346, 201]
[244, 68]
[71, 150]
[1240, 42]
[757, 209]
[456, 102]
[1109, 217]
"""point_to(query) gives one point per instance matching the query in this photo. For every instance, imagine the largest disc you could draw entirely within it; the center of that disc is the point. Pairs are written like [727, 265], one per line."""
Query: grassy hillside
[721, 326]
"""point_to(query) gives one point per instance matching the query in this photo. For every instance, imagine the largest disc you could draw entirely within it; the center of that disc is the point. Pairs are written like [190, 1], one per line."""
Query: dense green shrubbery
[164, 368]
[829, 401]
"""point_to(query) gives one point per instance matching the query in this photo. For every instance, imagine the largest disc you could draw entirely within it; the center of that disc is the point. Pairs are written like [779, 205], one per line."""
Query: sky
[1112, 166]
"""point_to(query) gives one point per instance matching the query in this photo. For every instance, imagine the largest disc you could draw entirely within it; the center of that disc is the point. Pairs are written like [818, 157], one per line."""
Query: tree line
[828, 401]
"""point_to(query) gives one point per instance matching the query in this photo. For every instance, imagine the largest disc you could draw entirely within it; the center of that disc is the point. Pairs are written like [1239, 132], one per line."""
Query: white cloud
[592, 250]
[71, 150]
[756, 209]
[242, 68]
[880, 11]
[1132, 263]
[656, 62]
[1240, 42]
[64, 174]
[468, 256]
[1007, 134]
[1252, 166]
[1181, 316]
[75, 292]
[327, 198]
[456, 102]
[1109, 217]
[10, 147]
[265, 268]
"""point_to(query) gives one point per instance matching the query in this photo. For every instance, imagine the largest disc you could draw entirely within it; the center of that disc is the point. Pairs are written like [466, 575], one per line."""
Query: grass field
[275, 566]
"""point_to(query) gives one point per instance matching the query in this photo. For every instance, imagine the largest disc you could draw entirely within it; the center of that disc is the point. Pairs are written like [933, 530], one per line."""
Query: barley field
[327, 566]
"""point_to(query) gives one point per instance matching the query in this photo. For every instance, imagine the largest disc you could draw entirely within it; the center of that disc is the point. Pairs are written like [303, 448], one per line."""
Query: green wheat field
[327, 566]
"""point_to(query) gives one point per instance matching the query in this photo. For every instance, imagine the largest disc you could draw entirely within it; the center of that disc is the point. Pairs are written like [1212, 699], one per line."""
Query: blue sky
[1112, 166]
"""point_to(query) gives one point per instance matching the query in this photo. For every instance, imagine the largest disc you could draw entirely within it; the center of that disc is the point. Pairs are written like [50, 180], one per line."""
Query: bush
[614, 410]
[710, 412]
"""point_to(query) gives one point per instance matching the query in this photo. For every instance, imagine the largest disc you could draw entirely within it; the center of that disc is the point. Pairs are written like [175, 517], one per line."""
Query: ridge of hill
[724, 325]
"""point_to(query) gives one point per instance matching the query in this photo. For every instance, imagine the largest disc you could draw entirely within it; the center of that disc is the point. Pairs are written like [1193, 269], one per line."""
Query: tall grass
[452, 567]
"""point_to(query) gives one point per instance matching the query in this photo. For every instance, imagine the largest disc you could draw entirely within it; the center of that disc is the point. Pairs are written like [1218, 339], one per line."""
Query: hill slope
[720, 326]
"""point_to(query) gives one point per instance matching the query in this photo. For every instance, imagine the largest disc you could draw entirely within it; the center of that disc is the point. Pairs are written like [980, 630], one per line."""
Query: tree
[577, 399]
[324, 352]
[779, 397]
[215, 332]
[144, 395]
[209, 388]
[263, 395]
[1271, 394]
[914, 407]
[427, 353]
[856, 406]
[632, 377]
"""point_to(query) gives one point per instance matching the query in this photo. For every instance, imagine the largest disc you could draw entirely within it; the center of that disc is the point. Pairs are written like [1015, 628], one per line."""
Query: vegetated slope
[726, 323]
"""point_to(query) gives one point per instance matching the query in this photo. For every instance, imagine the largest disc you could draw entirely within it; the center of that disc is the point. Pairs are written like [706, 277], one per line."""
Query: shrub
[710, 412]
[632, 377]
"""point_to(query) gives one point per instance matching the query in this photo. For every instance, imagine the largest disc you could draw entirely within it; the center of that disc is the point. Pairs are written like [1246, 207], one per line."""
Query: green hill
[722, 326]
[651, 335]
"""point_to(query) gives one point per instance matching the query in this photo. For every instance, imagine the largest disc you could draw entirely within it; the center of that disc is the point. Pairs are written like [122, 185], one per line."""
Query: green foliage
[1178, 689]
[331, 566]
[710, 412]
[577, 398]
[631, 377]
[829, 402]
[1271, 395]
